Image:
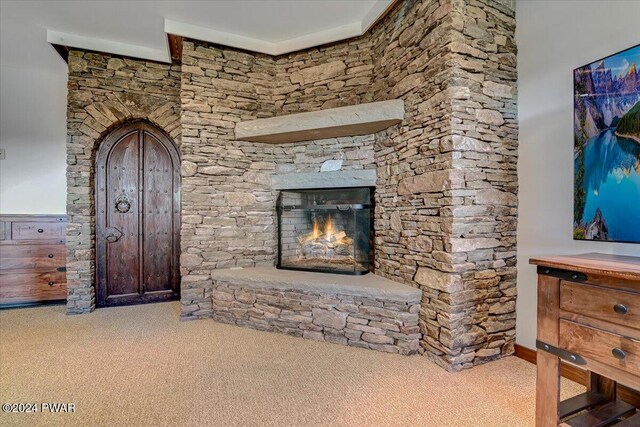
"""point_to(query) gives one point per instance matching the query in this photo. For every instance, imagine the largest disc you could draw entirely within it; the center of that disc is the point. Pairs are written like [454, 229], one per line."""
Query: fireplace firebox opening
[327, 230]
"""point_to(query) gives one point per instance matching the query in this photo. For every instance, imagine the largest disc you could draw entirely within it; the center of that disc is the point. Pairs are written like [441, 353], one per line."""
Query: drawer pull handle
[40, 230]
[50, 256]
[620, 309]
[52, 283]
[618, 353]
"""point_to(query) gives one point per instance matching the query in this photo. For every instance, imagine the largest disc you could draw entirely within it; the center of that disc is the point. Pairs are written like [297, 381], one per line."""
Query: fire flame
[315, 232]
[329, 229]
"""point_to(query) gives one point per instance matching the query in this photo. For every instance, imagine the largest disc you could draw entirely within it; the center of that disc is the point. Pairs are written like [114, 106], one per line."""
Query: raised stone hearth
[360, 311]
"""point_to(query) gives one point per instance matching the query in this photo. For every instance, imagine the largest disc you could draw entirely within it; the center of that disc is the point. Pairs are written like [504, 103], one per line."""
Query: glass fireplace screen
[325, 230]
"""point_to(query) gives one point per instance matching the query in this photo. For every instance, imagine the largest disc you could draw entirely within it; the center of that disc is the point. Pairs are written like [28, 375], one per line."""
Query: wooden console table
[588, 315]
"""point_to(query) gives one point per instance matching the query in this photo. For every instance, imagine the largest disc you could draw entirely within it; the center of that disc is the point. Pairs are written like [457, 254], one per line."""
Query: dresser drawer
[14, 257]
[601, 346]
[614, 306]
[37, 230]
[18, 288]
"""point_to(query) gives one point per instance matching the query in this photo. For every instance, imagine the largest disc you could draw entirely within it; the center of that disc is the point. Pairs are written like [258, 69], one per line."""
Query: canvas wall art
[607, 149]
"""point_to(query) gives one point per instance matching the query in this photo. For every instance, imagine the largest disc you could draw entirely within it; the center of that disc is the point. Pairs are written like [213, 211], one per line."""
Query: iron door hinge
[561, 353]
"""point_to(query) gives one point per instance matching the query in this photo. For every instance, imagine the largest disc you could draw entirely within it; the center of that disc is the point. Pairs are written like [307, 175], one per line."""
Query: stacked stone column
[447, 214]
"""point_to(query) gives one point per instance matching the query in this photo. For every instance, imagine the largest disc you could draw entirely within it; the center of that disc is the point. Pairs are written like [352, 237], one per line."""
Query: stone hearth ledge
[360, 311]
[368, 285]
[361, 119]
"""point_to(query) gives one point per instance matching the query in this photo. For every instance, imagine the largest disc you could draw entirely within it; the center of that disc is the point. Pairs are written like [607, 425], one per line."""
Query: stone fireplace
[327, 230]
[445, 178]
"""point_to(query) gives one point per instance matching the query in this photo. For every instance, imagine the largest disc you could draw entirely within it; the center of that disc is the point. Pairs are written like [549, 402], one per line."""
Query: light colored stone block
[331, 166]
[319, 72]
[466, 245]
[432, 182]
[329, 318]
[491, 196]
[435, 279]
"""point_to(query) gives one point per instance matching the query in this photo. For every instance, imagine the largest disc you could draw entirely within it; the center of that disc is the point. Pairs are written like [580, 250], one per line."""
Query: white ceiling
[137, 28]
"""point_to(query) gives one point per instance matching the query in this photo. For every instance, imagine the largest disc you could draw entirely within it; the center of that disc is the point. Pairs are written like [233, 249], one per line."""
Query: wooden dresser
[32, 259]
[588, 315]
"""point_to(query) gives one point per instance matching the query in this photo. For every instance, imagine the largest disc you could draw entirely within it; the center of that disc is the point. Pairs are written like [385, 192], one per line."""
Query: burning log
[336, 236]
[320, 248]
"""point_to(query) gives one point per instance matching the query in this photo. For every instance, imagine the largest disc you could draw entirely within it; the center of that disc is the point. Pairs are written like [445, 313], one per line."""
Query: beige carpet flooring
[141, 366]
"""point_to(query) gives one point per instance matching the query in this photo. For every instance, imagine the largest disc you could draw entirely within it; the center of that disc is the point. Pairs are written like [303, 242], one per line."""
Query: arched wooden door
[137, 216]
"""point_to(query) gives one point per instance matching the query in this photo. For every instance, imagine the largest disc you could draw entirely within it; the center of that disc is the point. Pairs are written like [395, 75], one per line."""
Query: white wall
[33, 133]
[554, 37]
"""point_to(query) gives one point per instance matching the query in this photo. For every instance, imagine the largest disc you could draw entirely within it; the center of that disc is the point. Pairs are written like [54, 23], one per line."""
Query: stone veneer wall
[330, 76]
[228, 203]
[104, 92]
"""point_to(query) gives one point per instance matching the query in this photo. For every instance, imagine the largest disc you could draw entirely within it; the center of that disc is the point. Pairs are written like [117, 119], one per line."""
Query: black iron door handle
[123, 204]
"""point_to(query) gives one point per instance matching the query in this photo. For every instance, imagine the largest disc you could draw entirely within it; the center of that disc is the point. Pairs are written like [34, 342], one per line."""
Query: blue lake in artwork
[612, 184]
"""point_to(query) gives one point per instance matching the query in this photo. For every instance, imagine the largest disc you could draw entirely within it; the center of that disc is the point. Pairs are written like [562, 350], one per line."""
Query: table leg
[548, 375]
[547, 390]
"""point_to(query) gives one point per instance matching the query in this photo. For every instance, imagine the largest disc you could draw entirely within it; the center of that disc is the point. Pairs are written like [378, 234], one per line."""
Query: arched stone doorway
[137, 194]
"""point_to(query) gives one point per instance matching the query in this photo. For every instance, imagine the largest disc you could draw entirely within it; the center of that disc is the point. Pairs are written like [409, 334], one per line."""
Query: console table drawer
[37, 230]
[20, 288]
[14, 257]
[613, 306]
[605, 347]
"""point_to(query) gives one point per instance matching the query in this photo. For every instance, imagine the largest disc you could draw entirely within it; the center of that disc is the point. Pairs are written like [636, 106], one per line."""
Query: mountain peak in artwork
[630, 82]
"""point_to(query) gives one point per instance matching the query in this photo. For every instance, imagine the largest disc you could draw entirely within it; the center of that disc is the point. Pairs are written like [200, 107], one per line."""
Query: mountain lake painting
[607, 149]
